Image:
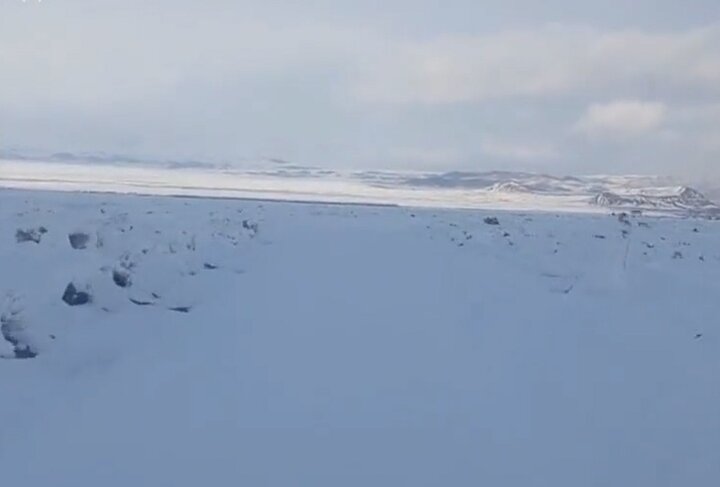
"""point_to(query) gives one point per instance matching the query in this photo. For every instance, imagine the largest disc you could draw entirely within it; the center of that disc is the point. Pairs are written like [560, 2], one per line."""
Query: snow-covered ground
[230, 342]
[281, 180]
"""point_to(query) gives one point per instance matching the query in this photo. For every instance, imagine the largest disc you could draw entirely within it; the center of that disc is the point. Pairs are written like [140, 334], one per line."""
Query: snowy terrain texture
[185, 341]
[281, 180]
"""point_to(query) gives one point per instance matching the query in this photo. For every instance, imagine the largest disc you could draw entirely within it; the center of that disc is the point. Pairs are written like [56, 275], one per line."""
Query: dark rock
[491, 220]
[79, 240]
[73, 297]
[30, 235]
[141, 303]
[252, 227]
[25, 352]
[181, 309]
[9, 330]
[121, 279]
[209, 266]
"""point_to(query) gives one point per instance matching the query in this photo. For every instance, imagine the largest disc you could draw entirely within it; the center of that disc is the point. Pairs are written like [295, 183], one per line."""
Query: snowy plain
[281, 343]
[284, 181]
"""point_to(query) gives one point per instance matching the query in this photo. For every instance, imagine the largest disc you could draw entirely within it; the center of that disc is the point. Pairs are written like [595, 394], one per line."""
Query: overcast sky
[564, 86]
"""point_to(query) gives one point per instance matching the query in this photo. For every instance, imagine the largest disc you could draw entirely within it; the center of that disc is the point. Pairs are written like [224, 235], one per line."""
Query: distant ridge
[266, 177]
[682, 198]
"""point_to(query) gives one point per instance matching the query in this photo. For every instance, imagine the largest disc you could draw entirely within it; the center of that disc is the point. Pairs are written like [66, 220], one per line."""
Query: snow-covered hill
[682, 199]
[231, 342]
[281, 180]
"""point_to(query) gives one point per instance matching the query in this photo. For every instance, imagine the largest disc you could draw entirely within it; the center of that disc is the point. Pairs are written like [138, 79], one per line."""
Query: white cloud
[423, 157]
[550, 61]
[102, 59]
[231, 79]
[70, 57]
[625, 118]
[517, 150]
[698, 114]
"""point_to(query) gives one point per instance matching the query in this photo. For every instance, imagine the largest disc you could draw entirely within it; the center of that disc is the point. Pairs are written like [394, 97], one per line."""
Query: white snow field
[229, 342]
[284, 181]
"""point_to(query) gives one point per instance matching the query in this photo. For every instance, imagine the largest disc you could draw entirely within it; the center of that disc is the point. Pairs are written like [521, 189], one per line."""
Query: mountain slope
[682, 198]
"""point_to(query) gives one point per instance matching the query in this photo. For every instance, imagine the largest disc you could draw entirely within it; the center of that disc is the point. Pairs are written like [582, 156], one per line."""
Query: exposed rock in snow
[79, 240]
[30, 235]
[682, 198]
[510, 187]
[121, 278]
[73, 297]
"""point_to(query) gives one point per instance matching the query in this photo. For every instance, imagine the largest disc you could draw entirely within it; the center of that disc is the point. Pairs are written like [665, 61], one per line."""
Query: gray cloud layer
[552, 86]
